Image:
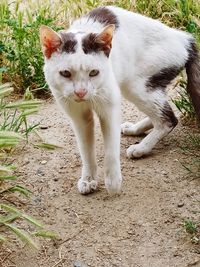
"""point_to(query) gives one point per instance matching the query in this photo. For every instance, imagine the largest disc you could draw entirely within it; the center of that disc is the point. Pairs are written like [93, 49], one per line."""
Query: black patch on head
[163, 78]
[69, 42]
[168, 116]
[104, 16]
[91, 45]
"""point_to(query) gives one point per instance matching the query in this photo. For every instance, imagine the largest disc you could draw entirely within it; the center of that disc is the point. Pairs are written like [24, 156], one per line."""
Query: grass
[20, 51]
[183, 101]
[14, 129]
[191, 148]
[192, 228]
[21, 57]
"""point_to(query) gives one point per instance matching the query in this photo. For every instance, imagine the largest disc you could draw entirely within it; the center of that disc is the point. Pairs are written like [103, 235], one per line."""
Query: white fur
[141, 47]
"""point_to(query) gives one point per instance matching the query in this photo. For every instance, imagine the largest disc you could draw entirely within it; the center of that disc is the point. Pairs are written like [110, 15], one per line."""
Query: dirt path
[139, 228]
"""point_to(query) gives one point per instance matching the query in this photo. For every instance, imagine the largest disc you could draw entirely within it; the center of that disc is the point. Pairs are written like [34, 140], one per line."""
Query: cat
[108, 51]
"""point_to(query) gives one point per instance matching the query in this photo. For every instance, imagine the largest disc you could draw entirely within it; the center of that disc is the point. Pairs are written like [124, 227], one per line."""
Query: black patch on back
[163, 78]
[69, 42]
[168, 115]
[104, 16]
[91, 45]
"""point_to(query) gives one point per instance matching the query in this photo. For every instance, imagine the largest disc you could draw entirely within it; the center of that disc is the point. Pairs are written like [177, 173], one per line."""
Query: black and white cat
[107, 51]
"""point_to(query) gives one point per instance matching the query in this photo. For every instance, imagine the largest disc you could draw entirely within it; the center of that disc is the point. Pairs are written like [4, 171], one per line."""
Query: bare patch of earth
[140, 228]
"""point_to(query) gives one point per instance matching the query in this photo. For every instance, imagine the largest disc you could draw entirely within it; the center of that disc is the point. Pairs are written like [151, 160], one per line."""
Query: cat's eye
[93, 73]
[65, 73]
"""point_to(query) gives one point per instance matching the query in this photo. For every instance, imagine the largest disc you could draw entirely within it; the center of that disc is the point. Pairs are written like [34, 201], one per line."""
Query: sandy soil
[140, 228]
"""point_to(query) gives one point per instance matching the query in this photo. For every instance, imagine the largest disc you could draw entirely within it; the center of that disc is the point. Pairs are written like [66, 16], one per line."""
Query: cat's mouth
[79, 100]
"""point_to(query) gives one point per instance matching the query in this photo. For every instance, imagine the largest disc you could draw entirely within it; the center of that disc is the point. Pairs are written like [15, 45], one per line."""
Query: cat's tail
[193, 74]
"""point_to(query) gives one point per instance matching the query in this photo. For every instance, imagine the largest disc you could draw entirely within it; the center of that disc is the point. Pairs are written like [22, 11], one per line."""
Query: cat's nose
[80, 92]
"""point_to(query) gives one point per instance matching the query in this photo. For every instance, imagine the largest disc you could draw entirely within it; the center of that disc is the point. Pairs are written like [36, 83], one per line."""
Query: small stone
[44, 127]
[55, 179]
[37, 200]
[43, 162]
[180, 205]
[40, 172]
[79, 264]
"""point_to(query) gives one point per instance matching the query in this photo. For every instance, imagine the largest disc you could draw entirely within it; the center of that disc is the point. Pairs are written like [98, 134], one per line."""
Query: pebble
[79, 264]
[176, 254]
[164, 173]
[43, 162]
[40, 172]
[44, 127]
[37, 200]
[180, 205]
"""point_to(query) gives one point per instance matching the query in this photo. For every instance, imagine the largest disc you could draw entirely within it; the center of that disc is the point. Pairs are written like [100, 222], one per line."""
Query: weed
[193, 229]
[190, 227]
[20, 50]
[14, 128]
[183, 101]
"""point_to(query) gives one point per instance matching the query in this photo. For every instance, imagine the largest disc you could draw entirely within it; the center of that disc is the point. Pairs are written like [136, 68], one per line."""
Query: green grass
[183, 101]
[20, 52]
[192, 228]
[191, 148]
[15, 129]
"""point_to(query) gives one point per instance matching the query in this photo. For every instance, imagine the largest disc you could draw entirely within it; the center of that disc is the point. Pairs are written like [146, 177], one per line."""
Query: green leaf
[10, 208]
[47, 146]
[5, 170]
[18, 213]
[10, 135]
[30, 104]
[8, 177]
[24, 237]
[32, 220]
[46, 234]
[29, 112]
[9, 218]
[20, 189]
[8, 143]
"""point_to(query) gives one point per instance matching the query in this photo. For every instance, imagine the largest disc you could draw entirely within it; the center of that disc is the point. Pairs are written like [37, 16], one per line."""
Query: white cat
[105, 51]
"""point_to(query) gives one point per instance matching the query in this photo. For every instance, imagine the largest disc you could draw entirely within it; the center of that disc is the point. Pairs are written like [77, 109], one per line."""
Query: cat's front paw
[128, 128]
[85, 186]
[113, 186]
[137, 151]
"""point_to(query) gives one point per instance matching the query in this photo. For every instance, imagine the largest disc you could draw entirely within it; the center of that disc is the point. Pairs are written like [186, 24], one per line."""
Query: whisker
[102, 98]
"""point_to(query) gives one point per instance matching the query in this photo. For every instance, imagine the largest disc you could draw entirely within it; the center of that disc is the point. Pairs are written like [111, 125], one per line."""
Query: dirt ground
[140, 228]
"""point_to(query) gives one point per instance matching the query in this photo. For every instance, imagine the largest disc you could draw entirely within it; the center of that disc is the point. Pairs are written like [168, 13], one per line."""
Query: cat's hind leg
[129, 128]
[155, 105]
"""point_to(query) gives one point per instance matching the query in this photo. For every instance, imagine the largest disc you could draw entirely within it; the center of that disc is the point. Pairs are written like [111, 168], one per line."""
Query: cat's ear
[50, 40]
[105, 37]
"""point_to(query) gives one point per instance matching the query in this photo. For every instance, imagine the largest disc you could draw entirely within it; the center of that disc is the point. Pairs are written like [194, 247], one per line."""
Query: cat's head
[76, 64]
